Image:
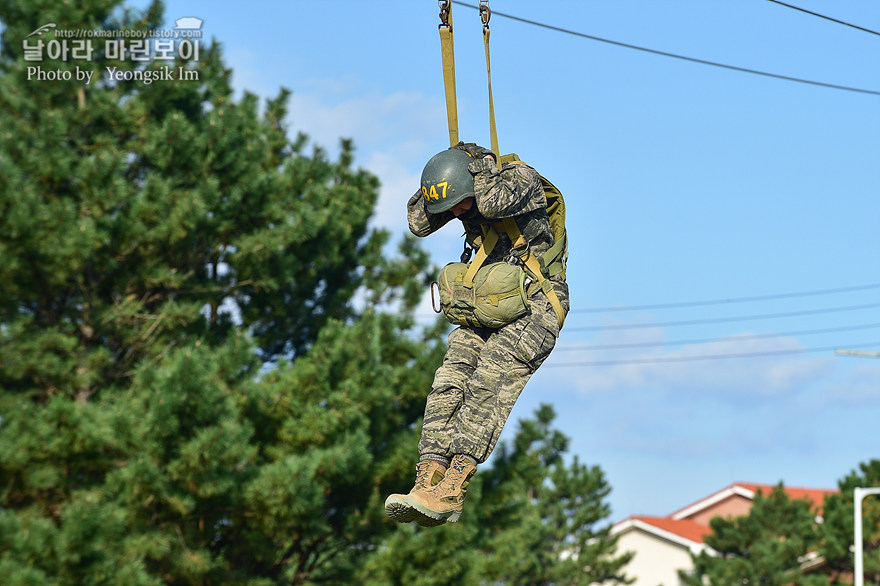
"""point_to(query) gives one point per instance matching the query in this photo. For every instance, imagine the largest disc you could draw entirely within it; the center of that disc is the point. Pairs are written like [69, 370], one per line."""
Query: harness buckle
[444, 13]
[485, 12]
[466, 253]
[517, 253]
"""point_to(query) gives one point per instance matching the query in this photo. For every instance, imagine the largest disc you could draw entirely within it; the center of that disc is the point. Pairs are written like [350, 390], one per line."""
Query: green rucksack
[553, 262]
[495, 294]
[496, 297]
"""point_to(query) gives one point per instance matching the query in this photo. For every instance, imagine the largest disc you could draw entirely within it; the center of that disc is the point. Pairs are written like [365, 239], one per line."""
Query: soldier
[485, 369]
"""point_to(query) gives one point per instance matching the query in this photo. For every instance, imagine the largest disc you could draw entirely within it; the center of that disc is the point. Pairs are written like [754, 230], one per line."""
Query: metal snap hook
[485, 12]
[433, 301]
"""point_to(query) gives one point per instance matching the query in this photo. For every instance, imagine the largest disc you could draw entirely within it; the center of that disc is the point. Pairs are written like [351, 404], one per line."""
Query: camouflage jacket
[514, 191]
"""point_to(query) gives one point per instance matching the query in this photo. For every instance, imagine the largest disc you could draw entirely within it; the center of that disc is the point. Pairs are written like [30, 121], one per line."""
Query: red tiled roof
[679, 527]
[690, 530]
[815, 495]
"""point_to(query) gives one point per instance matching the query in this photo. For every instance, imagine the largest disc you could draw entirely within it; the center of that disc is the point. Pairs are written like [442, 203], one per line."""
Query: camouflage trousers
[482, 375]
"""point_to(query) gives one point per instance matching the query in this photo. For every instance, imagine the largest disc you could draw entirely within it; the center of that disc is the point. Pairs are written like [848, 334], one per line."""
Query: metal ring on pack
[433, 302]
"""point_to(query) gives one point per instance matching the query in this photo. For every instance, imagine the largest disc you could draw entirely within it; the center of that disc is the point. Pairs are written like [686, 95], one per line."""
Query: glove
[475, 150]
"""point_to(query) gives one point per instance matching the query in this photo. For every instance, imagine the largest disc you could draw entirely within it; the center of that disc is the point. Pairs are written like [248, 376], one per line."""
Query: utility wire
[673, 55]
[725, 301]
[583, 347]
[867, 30]
[705, 302]
[695, 358]
[695, 322]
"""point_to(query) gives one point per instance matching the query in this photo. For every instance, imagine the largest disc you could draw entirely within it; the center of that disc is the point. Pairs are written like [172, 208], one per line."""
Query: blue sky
[684, 183]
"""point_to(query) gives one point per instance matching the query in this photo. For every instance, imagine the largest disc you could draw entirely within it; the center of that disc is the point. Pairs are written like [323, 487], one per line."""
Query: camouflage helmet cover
[446, 180]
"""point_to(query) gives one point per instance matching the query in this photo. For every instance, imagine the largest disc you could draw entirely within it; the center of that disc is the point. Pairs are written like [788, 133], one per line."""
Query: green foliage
[530, 519]
[137, 214]
[198, 382]
[165, 247]
[838, 526]
[554, 509]
[783, 541]
[765, 547]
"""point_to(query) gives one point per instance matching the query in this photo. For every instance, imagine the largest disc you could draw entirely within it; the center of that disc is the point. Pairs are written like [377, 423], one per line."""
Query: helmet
[446, 180]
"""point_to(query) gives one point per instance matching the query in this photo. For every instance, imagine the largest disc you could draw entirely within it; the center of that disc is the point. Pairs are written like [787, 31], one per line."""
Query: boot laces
[454, 476]
[424, 471]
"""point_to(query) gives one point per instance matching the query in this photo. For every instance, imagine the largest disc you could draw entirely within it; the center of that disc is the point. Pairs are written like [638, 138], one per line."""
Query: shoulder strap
[534, 268]
[485, 13]
[554, 260]
[489, 241]
[447, 51]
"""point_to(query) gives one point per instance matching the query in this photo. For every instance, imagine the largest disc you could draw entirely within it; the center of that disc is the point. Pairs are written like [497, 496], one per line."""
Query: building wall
[656, 562]
[734, 506]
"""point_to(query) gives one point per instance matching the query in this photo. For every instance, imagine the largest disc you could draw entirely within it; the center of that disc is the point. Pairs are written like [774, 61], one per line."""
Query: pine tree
[557, 511]
[837, 529]
[197, 382]
[163, 245]
[529, 519]
[764, 548]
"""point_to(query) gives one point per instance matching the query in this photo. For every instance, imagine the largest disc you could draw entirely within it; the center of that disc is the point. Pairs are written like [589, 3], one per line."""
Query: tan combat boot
[428, 474]
[444, 501]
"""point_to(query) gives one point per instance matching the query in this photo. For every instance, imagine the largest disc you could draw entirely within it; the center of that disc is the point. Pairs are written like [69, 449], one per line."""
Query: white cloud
[375, 121]
[672, 371]
[248, 75]
[398, 184]
[860, 388]
[329, 109]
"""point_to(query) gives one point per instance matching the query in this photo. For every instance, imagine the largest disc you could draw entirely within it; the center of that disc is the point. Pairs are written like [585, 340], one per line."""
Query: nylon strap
[534, 267]
[493, 131]
[556, 254]
[489, 241]
[447, 51]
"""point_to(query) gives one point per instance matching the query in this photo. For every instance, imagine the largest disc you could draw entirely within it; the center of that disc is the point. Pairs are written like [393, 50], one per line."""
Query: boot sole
[437, 517]
[402, 511]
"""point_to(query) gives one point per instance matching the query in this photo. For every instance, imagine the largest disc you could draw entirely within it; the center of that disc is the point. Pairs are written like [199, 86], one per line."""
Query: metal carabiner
[433, 301]
[517, 254]
[466, 253]
[485, 12]
[444, 13]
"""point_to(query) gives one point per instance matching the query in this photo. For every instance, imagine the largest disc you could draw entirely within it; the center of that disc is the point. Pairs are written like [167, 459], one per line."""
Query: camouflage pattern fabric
[485, 370]
[515, 191]
[482, 375]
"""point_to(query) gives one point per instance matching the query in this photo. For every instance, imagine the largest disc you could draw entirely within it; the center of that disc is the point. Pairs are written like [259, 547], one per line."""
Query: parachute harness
[538, 269]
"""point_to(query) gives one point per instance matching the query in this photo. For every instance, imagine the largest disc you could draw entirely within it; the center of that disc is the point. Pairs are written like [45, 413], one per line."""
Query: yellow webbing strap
[534, 267]
[447, 51]
[493, 131]
[556, 255]
[489, 241]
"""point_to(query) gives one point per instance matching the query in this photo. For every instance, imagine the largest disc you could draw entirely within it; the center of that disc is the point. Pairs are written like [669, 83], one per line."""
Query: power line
[721, 301]
[867, 30]
[673, 55]
[845, 352]
[630, 345]
[695, 358]
[728, 300]
[695, 322]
